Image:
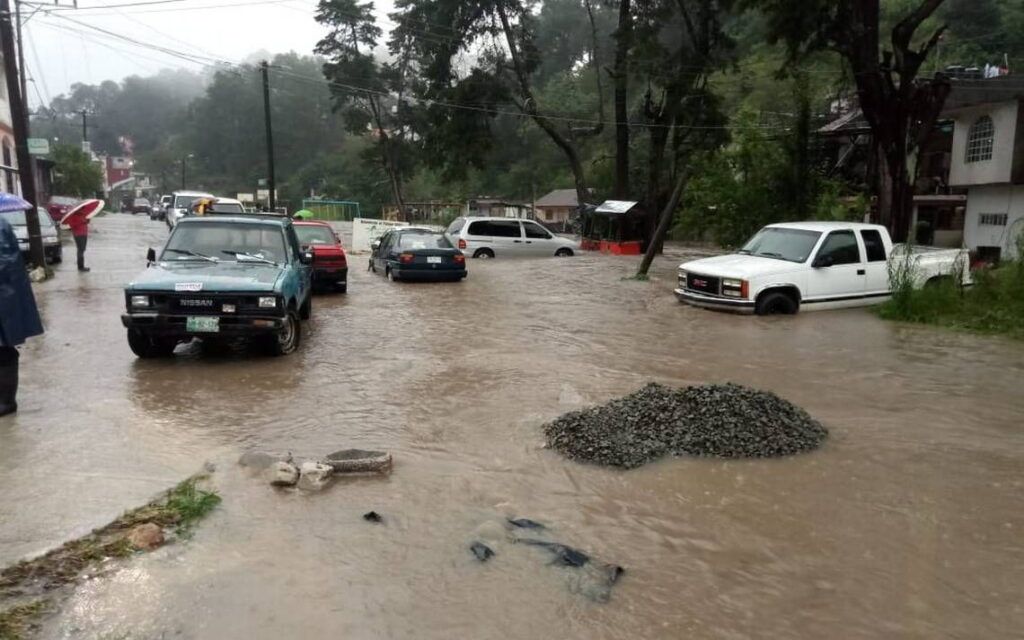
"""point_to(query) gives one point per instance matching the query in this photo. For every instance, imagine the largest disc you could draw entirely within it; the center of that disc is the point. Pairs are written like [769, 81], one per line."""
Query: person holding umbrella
[78, 220]
[19, 317]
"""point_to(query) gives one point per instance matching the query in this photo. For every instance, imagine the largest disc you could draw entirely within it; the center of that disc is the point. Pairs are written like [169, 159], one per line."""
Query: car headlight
[140, 301]
[732, 284]
[734, 288]
[268, 302]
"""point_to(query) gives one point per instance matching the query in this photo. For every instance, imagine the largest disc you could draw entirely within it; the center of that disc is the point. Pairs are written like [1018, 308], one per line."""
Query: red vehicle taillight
[462, 243]
[458, 257]
[405, 258]
[343, 259]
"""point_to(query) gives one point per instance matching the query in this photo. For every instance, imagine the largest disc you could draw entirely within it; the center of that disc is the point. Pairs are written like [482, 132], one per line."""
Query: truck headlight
[734, 288]
[268, 302]
[140, 301]
[682, 277]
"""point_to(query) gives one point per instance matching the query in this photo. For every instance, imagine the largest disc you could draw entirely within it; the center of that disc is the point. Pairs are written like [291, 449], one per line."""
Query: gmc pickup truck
[811, 265]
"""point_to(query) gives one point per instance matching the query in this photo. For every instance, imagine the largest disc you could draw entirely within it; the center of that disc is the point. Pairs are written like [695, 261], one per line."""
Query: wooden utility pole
[19, 116]
[265, 68]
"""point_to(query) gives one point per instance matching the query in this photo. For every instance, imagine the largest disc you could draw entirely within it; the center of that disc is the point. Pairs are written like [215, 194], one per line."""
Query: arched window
[980, 140]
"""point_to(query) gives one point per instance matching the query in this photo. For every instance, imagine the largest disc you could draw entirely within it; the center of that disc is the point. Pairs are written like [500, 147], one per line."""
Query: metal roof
[559, 198]
[615, 206]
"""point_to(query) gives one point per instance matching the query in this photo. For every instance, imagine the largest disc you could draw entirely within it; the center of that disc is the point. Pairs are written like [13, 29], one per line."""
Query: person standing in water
[79, 225]
[19, 317]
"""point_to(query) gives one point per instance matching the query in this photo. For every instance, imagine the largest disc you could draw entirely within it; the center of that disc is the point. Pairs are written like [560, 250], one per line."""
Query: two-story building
[988, 160]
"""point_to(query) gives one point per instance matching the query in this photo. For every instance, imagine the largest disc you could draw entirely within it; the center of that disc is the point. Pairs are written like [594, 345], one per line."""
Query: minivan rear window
[456, 226]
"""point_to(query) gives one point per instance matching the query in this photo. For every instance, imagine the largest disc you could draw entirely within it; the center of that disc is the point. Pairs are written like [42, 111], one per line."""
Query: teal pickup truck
[221, 277]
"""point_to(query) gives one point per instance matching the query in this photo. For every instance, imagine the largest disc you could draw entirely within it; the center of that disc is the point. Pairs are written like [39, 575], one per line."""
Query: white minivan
[493, 237]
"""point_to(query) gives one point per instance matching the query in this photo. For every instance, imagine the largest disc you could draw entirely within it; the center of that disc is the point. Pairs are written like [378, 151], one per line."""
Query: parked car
[417, 254]
[60, 205]
[160, 208]
[330, 265]
[493, 237]
[52, 250]
[810, 265]
[141, 205]
[181, 202]
[219, 277]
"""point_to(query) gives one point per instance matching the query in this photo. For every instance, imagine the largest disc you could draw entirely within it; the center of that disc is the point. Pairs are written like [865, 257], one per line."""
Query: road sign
[264, 194]
[38, 146]
[245, 197]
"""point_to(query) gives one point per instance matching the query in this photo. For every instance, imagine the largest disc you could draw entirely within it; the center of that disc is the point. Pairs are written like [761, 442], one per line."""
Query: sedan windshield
[310, 234]
[423, 241]
[794, 245]
[224, 241]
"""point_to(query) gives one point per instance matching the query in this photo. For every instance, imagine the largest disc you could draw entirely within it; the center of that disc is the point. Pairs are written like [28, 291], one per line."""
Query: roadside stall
[616, 227]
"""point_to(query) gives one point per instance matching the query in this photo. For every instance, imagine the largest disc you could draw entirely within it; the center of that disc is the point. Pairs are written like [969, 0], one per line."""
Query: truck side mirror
[306, 257]
[823, 262]
[150, 256]
[375, 245]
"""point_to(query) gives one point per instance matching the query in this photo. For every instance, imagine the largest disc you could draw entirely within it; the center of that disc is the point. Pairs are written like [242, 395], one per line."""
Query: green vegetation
[74, 173]
[19, 620]
[994, 305]
[181, 507]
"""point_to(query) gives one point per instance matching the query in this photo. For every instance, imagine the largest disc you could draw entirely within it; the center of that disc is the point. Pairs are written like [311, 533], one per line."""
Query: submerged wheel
[146, 346]
[483, 253]
[287, 340]
[563, 253]
[391, 276]
[775, 303]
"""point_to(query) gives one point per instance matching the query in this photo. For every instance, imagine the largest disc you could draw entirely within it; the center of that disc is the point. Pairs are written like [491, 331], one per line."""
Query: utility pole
[271, 184]
[85, 126]
[21, 52]
[19, 116]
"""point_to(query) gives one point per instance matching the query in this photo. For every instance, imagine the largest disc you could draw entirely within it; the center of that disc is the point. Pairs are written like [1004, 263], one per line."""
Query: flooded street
[908, 523]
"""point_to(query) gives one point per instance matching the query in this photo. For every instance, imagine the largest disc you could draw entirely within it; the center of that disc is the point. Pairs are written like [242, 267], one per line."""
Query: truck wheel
[147, 346]
[775, 302]
[287, 340]
[483, 253]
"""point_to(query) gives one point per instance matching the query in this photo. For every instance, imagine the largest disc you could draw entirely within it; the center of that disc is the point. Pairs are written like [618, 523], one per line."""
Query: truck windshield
[226, 241]
[794, 245]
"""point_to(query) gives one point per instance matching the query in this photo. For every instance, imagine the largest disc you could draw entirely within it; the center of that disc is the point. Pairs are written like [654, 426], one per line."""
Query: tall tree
[371, 94]
[620, 73]
[502, 35]
[900, 107]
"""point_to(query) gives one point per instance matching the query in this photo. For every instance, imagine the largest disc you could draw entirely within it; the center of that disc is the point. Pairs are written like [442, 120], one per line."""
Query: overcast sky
[60, 50]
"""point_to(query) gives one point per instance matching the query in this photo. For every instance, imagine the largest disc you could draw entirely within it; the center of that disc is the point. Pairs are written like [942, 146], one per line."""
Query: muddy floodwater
[908, 523]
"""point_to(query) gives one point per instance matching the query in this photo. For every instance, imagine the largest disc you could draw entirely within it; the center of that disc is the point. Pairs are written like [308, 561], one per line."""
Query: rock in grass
[314, 476]
[282, 474]
[146, 536]
[725, 421]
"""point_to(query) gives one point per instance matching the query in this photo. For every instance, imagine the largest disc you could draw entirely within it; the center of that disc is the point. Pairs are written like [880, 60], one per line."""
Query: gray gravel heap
[725, 421]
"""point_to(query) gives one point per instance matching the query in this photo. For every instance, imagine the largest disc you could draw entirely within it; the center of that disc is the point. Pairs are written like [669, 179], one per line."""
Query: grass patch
[994, 305]
[182, 507]
[21, 619]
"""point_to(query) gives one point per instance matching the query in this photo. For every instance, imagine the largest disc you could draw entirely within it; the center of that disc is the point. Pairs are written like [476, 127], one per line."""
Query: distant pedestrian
[19, 318]
[80, 230]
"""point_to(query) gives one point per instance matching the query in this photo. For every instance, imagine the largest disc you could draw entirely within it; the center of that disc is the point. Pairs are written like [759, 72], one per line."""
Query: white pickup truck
[810, 265]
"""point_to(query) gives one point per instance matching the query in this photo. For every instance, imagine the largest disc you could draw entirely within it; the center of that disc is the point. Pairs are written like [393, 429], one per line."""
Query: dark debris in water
[482, 552]
[525, 523]
[373, 516]
[724, 421]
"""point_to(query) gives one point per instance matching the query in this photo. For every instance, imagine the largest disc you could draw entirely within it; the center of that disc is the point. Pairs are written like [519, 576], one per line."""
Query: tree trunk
[529, 107]
[901, 185]
[389, 161]
[623, 41]
[664, 223]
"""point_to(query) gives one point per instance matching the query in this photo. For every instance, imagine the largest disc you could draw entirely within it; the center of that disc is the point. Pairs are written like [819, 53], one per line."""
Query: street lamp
[183, 161]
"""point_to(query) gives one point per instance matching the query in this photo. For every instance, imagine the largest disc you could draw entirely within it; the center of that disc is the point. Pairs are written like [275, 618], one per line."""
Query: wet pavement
[907, 523]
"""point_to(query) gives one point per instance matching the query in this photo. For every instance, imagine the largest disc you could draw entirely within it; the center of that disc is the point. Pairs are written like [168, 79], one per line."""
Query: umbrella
[87, 209]
[10, 202]
[303, 214]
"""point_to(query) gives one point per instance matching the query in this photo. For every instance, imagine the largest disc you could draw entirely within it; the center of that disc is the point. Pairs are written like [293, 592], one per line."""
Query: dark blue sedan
[417, 254]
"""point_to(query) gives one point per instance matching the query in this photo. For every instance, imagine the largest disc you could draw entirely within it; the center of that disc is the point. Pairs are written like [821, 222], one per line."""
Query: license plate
[202, 324]
[433, 259]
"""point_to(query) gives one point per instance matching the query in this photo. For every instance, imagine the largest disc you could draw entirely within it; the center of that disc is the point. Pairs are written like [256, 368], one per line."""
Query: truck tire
[775, 302]
[146, 346]
[288, 339]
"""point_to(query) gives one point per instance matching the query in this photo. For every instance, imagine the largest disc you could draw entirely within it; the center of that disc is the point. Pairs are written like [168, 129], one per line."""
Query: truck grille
[704, 284]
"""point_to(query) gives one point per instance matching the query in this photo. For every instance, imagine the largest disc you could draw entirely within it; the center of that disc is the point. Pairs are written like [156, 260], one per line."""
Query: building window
[992, 219]
[7, 155]
[980, 140]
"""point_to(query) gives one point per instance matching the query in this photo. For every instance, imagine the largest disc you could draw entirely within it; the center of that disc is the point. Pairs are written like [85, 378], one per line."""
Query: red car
[329, 263]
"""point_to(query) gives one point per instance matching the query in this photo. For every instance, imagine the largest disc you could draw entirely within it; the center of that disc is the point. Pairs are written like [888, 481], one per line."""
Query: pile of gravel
[725, 421]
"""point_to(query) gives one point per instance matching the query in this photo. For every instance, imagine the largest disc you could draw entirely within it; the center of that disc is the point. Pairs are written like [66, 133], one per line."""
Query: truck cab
[810, 265]
[221, 277]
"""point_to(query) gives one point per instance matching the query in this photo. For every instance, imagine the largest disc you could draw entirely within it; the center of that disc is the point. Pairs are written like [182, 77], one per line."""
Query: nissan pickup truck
[796, 266]
[221, 277]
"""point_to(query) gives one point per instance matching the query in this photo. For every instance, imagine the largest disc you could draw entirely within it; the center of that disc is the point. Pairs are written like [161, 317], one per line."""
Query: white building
[988, 160]
[9, 181]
